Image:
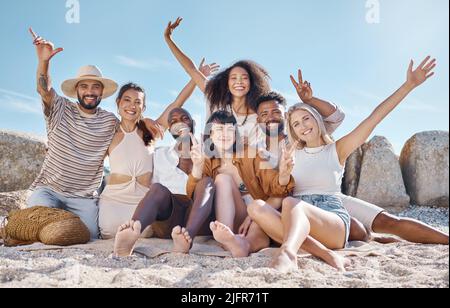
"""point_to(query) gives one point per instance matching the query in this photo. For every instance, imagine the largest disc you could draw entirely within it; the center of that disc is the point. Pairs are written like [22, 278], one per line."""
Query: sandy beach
[400, 265]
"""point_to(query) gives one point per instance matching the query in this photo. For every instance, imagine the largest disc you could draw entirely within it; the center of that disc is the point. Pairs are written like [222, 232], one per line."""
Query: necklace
[314, 153]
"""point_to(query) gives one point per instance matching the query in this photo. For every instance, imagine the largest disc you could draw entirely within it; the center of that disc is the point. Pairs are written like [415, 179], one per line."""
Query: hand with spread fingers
[424, 71]
[171, 27]
[208, 69]
[155, 128]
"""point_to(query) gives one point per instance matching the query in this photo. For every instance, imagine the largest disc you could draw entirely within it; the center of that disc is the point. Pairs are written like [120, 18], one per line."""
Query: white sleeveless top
[130, 158]
[318, 171]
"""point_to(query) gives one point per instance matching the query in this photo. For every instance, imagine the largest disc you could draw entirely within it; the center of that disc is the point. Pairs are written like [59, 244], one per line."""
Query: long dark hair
[147, 135]
[218, 92]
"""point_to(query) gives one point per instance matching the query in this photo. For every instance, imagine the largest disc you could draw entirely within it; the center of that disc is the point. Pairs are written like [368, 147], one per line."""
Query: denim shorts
[332, 204]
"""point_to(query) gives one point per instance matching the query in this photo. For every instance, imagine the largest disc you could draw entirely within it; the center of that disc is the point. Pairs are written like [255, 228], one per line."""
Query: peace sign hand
[45, 49]
[197, 154]
[287, 162]
[303, 88]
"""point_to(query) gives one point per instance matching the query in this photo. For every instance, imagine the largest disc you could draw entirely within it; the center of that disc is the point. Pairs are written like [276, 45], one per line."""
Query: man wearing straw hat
[79, 135]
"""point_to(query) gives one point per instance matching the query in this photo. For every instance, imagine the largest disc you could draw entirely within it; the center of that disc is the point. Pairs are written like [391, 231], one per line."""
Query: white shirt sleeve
[335, 120]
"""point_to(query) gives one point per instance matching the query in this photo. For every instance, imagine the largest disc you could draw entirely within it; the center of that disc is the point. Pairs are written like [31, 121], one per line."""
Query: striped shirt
[77, 146]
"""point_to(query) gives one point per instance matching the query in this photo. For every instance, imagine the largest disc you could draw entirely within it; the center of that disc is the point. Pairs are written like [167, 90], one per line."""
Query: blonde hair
[316, 115]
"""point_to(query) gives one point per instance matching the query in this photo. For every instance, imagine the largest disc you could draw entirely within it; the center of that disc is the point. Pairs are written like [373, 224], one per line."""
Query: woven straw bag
[45, 225]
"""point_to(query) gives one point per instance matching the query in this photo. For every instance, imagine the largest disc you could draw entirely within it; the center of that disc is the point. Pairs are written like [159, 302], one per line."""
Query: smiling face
[239, 82]
[89, 93]
[180, 123]
[223, 136]
[305, 127]
[131, 105]
[271, 118]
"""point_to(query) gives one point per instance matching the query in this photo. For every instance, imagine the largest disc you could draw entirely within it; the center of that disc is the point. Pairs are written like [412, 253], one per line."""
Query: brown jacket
[262, 184]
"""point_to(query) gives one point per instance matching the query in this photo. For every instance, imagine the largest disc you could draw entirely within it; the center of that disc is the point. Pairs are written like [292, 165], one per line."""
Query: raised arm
[305, 93]
[188, 65]
[207, 70]
[357, 137]
[45, 52]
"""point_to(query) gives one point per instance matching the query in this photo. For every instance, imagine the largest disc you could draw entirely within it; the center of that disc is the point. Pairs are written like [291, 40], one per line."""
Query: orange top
[262, 184]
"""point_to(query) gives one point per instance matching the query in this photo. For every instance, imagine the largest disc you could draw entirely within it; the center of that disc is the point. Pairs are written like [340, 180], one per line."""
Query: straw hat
[89, 72]
[45, 225]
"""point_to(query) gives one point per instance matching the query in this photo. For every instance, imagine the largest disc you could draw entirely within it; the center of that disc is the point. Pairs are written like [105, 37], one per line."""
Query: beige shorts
[361, 210]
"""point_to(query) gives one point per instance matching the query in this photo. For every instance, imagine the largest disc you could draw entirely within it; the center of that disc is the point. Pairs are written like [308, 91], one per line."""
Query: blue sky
[348, 61]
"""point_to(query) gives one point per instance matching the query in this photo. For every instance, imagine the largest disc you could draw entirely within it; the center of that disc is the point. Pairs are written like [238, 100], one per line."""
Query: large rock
[381, 180]
[21, 159]
[12, 201]
[352, 172]
[424, 162]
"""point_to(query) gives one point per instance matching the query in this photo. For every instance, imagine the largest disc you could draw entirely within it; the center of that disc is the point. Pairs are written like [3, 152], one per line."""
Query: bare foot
[182, 241]
[284, 261]
[236, 244]
[126, 237]
[337, 261]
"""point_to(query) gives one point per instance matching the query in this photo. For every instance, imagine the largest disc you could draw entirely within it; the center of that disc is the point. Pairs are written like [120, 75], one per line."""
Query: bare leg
[257, 238]
[203, 206]
[296, 228]
[270, 221]
[409, 229]
[359, 233]
[325, 226]
[230, 208]
[156, 204]
[201, 211]
[231, 212]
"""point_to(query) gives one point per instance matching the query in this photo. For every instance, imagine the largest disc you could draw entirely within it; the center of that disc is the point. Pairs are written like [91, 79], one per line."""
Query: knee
[290, 203]
[157, 190]
[223, 179]
[256, 209]
[358, 232]
[385, 221]
[206, 184]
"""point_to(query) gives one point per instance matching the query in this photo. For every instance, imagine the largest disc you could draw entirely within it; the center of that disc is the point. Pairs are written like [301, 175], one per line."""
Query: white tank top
[130, 158]
[318, 171]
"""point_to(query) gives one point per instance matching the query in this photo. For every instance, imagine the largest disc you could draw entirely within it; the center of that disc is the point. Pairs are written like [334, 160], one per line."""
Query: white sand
[396, 265]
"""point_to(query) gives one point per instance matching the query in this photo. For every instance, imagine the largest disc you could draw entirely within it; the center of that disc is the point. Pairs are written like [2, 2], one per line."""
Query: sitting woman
[239, 180]
[316, 208]
[131, 157]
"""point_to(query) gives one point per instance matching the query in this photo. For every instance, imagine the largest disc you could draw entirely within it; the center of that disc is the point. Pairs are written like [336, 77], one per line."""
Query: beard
[82, 102]
[271, 132]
